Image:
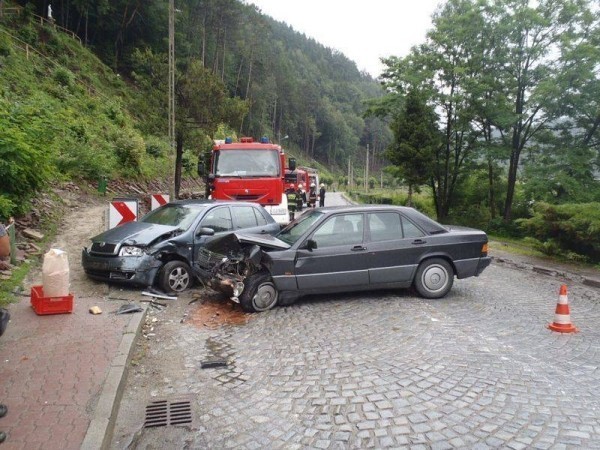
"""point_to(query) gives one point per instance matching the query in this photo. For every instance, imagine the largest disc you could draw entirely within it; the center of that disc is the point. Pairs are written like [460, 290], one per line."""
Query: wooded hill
[96, 105]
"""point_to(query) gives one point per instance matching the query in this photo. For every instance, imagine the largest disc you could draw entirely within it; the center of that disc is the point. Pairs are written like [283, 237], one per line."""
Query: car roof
[428, 224]
[203, 201]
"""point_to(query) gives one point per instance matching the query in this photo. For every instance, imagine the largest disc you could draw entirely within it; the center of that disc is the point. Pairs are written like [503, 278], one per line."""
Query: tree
[491, 70]
[529, 75]
[201, 104]
[416, 142]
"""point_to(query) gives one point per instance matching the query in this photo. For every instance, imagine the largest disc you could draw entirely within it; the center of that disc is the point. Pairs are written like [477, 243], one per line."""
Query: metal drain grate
[162, 413]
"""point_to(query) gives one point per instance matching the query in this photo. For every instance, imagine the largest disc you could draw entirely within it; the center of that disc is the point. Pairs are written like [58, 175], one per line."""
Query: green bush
[5, 45]
[568, 229]
[157, 147]
[25, 162]
[64, 77]
[7, 207]
[29, 34]
[129, 148]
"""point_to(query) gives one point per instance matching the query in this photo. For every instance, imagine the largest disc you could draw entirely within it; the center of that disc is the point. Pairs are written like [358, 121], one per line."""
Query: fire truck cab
[249, 171]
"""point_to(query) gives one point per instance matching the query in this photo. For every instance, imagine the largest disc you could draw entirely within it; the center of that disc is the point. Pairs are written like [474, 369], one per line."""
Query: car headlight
[238, 288]
[128, 250]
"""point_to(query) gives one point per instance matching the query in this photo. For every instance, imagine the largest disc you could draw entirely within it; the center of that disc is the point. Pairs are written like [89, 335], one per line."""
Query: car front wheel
[175, 276]
[260, 294]
[434, 278]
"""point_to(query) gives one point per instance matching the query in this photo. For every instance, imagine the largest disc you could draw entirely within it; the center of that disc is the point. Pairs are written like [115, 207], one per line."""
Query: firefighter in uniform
[312, 195]
[300, 197]
[292, 198]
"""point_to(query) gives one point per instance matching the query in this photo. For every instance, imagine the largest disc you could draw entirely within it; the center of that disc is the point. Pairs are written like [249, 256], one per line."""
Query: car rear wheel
[175, 276]
[434, 278]
[260, 294]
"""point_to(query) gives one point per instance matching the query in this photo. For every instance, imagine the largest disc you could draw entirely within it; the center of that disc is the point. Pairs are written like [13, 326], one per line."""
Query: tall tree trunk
[249, 73]
[239, 76]
[223, 63]
[491, 194]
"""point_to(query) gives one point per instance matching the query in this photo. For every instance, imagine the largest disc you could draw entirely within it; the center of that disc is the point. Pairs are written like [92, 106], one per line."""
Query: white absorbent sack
[55, 273]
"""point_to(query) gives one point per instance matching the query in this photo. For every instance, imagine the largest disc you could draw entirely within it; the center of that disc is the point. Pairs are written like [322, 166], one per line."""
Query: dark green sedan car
[160, 248]
[343, 249]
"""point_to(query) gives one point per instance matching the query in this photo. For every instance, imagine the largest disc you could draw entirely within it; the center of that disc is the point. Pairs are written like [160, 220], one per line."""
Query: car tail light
[484, 249]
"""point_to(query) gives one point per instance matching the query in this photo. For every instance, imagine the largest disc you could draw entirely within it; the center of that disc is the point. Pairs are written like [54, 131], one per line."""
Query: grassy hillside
[63, 115]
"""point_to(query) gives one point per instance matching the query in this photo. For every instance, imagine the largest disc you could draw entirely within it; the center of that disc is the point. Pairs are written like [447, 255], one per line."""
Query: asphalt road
[476, 369]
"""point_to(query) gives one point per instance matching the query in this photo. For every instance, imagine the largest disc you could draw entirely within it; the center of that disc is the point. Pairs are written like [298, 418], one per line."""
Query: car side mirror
[292, 164]
[309, 245]
[201, 169]
[205, 231]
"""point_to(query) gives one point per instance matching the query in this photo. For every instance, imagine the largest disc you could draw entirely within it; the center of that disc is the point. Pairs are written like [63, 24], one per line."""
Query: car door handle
[263, 231]
[358, 248]
[419, 242]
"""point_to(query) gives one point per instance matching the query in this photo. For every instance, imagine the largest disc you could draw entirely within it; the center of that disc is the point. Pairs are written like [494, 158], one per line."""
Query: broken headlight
[238, 288]
[128, 250]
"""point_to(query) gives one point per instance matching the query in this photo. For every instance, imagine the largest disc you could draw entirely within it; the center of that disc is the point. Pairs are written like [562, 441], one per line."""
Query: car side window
[343, 229]
[219, 219]
[260, 218]
[244, 217]
[385, 226]
[410, 229]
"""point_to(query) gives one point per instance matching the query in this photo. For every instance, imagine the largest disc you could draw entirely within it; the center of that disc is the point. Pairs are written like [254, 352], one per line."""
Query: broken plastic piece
[152, 294]
[213, 363]
[130, 308]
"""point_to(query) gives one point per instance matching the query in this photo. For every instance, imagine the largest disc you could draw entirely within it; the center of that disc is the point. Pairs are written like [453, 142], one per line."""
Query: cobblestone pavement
[477, 369]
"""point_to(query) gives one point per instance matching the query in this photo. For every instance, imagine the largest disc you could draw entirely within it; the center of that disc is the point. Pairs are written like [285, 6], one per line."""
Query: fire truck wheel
[260, 294]
[175, 276]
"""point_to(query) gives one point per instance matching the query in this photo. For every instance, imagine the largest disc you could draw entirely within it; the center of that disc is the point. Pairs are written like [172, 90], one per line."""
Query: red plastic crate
[50, 305]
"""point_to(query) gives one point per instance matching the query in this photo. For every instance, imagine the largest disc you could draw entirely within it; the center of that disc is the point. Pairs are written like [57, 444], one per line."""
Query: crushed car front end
[120, 263]
[225, 263]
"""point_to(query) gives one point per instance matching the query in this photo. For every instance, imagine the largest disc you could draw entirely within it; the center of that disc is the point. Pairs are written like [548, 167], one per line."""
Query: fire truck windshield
[247, 163]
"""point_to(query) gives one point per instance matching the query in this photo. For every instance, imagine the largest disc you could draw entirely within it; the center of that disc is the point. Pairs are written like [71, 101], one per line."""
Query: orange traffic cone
[562, 317]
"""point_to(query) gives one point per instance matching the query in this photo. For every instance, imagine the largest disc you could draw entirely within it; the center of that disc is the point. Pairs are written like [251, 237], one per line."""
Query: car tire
[175, 276]
[434, 278]
[260, 294]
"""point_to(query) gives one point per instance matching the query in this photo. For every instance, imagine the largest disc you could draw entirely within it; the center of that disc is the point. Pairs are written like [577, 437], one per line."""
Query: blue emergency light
[264, 140]
[228, 140]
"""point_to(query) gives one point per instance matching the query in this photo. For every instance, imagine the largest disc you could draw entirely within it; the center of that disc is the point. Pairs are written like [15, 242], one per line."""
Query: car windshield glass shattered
[296, 229]
[180, 216]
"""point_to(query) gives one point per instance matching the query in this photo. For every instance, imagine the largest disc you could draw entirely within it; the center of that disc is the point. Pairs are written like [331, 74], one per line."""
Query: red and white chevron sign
[121, 211]
[157, 200]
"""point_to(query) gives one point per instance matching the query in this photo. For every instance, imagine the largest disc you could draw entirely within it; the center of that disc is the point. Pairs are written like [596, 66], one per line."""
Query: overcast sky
[363, 30]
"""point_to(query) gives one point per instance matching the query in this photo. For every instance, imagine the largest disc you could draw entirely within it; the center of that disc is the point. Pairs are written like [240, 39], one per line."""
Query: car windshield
[175, 215]
[297, 228]
[245, 163]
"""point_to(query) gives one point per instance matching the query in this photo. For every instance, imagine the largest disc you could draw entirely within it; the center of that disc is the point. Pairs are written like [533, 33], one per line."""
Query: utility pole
[367, 171]
[172, 96]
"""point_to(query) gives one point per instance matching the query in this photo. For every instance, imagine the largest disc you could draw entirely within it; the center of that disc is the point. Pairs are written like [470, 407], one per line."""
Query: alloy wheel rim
[179, 279]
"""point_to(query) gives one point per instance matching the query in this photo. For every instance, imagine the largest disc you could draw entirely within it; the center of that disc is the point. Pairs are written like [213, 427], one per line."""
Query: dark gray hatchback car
[161, 247]
[341, 249]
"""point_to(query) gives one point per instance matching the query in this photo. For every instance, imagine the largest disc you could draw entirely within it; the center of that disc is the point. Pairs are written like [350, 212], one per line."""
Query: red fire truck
[250, 171]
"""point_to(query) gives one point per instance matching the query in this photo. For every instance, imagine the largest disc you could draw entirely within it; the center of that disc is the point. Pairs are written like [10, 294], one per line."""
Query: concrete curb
[100, 431]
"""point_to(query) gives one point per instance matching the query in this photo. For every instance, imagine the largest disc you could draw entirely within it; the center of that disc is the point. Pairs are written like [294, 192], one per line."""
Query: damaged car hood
[134, 233]
[232, 241]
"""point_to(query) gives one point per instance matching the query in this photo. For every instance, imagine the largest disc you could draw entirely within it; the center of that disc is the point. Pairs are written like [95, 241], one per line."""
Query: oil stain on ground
[214, 313]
